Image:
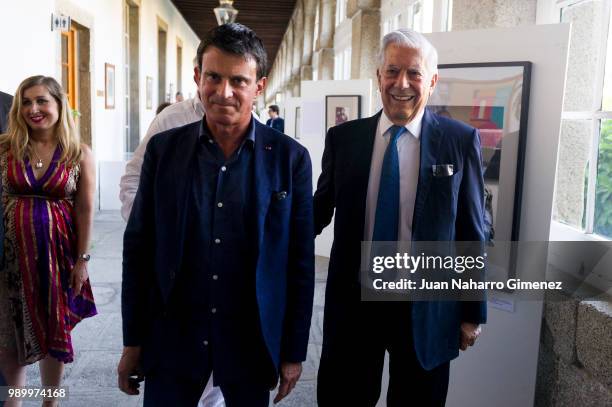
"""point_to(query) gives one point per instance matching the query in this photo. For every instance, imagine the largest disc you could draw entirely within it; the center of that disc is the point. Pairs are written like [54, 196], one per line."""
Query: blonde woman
[47, 194]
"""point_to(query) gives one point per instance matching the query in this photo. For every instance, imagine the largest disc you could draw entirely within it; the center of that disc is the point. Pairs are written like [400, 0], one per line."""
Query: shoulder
[358, 129]
[285, 142]
[86, 159]
[177, 114]
[5, 99]
[172, 136]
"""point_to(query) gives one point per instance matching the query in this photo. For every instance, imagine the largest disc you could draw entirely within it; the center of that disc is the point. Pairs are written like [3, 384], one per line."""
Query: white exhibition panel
[110, 173]
[501, 370]
[312, 102]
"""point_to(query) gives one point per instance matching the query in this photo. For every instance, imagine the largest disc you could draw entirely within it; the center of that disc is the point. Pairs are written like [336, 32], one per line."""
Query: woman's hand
[78, 276]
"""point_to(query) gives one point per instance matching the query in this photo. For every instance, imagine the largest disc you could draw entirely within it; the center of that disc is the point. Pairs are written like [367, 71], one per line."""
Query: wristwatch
[85, 256]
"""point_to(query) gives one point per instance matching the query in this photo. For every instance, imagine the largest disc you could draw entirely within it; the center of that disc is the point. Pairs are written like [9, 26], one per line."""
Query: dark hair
[162, 107]
[274, 108]
[237, 39]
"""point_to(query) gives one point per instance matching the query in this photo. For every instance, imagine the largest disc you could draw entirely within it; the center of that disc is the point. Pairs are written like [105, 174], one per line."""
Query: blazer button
[172, 275]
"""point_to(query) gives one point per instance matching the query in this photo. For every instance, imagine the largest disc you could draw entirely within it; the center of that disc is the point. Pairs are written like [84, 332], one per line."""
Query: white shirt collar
[414, 127]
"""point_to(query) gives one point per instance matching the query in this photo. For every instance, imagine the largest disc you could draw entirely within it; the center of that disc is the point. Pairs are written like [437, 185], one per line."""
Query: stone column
[493, 13]
[289, 60]
[365, 18]
[325, 43]
[298, 47]
[309, 16]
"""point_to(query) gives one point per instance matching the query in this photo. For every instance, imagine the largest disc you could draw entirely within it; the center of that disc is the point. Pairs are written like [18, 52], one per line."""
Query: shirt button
[213, 310]
[224, 168]
[217, 241]
[220, 205]
[215, 277]
[205, 343]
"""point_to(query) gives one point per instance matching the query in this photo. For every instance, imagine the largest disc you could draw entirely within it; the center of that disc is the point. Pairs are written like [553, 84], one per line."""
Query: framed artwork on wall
[109, 86]
[341, 108]
[494, 98]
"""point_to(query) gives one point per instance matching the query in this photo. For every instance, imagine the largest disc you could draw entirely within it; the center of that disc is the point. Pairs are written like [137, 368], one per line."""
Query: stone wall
[575, 361]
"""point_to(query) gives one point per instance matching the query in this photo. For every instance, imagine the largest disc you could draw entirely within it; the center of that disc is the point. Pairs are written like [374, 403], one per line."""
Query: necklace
[39, 162]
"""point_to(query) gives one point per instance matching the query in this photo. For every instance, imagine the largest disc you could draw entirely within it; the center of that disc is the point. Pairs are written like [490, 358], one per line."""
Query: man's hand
[129, 366]
[289, 375]
[469, 334]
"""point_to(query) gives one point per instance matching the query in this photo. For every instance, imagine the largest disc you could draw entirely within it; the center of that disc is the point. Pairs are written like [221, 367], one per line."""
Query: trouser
[350, 372]
[164, 389]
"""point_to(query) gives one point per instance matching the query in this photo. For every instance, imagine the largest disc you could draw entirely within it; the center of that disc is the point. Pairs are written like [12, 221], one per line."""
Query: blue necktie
[386, 222]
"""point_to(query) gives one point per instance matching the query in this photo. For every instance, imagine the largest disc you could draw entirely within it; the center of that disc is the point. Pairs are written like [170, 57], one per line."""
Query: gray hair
[414, 40]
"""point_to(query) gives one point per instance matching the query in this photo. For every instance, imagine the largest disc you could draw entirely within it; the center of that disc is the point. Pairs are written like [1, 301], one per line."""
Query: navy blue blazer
[446, 209]
[278, 124]
[155, 233]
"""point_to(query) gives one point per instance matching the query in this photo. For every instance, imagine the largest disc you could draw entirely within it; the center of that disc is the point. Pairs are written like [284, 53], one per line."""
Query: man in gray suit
[5, 105]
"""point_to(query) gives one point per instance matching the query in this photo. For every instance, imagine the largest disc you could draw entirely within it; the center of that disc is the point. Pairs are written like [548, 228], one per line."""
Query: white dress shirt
[408, 149]
[175, 115]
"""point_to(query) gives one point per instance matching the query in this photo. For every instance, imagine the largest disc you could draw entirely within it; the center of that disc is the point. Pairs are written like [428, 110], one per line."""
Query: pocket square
[279, 196]
[442, 170]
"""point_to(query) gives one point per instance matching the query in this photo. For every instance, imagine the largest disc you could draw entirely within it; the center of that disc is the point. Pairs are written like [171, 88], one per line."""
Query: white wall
[36, 50]
[501, 369]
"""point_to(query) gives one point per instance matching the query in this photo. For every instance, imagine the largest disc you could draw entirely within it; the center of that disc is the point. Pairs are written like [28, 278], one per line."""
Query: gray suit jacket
[5, 105]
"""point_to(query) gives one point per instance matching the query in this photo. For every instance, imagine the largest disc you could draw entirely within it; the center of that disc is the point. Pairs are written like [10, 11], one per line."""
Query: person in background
[161, 107]
[5, 105]
[275, 121]
[48, 198]
[404, 174]
[178, 97]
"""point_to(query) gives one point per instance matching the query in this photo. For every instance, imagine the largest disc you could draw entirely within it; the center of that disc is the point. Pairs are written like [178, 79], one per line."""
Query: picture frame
[297, 134]
[341, 108]
[149, 92]
[109, 86]
[494, 98]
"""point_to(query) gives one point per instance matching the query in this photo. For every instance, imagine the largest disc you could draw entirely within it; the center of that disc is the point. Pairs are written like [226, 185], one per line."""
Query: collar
[414, 127]
[198, 107]
[205, 133]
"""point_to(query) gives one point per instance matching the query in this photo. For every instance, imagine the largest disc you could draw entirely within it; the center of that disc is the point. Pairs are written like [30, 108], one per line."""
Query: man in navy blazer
[404, 174]
[218, 261]
[275, 121]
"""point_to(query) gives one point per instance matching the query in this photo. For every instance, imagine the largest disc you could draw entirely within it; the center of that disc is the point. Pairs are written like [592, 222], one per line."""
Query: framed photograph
[298, 123]
[149, 92]
[109, 86]
[341, 108]
[494, 98]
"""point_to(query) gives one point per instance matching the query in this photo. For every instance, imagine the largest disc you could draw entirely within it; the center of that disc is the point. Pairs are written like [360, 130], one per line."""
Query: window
[179, 66]
[583, 193]
[342, 65]
[316, 28]
[340, 11]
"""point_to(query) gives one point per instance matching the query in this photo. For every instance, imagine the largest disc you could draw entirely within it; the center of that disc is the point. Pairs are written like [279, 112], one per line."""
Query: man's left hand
[469, 334]
[289, 375]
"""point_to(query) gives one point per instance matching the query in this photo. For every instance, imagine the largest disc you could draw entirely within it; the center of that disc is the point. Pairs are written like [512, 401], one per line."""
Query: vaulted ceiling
[268, 18]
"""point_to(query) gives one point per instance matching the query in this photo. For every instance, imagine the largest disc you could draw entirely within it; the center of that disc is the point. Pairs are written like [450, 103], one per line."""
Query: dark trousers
[350, 372]
[164, 389]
